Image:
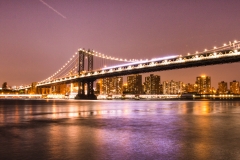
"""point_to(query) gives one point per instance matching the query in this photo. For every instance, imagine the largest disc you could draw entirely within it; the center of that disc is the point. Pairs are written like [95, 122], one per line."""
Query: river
[119, 129]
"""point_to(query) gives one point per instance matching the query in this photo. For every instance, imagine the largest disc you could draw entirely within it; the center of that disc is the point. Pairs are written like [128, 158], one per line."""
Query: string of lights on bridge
[94, 53]
[74, 58]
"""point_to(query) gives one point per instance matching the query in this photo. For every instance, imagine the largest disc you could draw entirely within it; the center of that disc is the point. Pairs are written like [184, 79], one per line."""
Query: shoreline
[154, 99]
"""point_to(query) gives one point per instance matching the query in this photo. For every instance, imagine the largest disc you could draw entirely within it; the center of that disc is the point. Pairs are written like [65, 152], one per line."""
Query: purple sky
[35, 40]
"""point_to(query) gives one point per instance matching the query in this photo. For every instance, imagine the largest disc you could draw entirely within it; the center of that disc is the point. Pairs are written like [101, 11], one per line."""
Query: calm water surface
[70, 129]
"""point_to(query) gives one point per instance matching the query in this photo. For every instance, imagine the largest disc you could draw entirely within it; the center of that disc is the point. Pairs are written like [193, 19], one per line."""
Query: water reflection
[120, 130]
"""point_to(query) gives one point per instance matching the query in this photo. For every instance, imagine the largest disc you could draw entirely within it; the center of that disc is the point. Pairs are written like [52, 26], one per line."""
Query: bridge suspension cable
[233, 45]
[71, 67]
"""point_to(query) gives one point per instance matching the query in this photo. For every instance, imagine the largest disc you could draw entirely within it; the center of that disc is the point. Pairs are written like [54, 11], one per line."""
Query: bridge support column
[81, 90]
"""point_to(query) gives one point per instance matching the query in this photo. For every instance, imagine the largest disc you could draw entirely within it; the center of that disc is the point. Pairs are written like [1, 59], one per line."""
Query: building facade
[222, 87]
[234, 87]
[111, 85]
[188, 88]
[172, 87]
[134, 84]
[203, 85]
[152, 84]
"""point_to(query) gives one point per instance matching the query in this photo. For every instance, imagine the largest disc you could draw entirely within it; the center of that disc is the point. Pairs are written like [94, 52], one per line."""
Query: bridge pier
[81, 90]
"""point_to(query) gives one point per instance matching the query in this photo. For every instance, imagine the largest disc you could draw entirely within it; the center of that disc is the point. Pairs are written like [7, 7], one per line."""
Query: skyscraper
[234, 87]
[203, 84]
[111, 85]
[222, 87]
[99, 86]
[151, 84]
[188, 88]
[134, 84]
[172, 87]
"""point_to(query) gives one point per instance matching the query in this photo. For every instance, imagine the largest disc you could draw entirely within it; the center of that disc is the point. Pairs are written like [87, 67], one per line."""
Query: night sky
[38, 36]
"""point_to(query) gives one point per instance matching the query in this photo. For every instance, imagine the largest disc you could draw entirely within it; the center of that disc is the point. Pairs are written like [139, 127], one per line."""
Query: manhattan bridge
[86, 66]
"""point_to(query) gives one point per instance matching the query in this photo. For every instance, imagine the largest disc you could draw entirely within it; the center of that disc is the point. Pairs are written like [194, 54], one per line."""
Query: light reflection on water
[119, 129]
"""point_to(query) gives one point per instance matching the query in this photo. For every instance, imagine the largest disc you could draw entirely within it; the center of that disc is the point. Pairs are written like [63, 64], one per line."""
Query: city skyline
[37, 37]
[153, 85]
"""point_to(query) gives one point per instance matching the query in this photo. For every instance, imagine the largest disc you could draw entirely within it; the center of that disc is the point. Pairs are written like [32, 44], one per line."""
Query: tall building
[222, 87]
[125, 88]
[111, 85]
[152, 84]
[160, 89]
[189, 88]
[119, 85]
[134, 83]
[234, 87]
[203, 84]
[172, 87]
[99, 86]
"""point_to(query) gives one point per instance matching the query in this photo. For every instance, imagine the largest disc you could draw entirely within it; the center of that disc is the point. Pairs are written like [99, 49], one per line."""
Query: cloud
[53, 9]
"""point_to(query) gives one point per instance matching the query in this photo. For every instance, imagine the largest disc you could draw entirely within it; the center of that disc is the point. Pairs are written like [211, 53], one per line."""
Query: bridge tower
[88, 82]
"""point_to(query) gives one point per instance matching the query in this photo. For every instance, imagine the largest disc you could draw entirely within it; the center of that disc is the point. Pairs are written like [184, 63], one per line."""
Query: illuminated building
[203, 84]
[234, 87]
[160, 89]
[134, 83]
[151, 84]
[125, 88]
[188, 88]
[213, 90]
[222, 87]
[172, 87]
[111, 85]
[118, 85]
[99, 86]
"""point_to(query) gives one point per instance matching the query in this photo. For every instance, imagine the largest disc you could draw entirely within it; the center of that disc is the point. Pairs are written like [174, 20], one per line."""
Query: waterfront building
[234, 87]
[99, 86]
[111, 85]
[151, 84]
[203, 84]
[134, 83]
[213, 90]
[172, 87]
[160, 89]
[125, 88]
[188, 88]
[222, 87]
[118, 85]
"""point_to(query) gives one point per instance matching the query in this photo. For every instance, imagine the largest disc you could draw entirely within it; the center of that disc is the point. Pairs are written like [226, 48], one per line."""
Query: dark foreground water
[57, 129]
